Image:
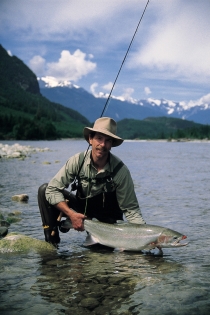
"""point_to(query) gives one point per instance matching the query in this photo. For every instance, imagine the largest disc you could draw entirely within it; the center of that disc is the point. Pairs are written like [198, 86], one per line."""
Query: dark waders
[103, 207]
[49, 215]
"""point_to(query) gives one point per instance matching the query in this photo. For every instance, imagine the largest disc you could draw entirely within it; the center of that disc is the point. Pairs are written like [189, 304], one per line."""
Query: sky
[85, 42]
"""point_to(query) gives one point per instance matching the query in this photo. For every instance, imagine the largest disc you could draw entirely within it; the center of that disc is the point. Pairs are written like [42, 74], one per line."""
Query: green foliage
[162, 128]
[24, 113]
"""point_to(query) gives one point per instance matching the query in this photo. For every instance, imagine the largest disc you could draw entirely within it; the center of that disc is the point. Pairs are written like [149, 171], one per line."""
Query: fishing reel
[64, 226]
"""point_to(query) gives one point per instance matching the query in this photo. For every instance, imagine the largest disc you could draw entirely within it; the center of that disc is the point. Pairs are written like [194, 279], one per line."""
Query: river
[172, 183]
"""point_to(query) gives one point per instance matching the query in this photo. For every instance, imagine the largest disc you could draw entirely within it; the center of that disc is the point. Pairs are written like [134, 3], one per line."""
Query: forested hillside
[162, 128]
[25, 113]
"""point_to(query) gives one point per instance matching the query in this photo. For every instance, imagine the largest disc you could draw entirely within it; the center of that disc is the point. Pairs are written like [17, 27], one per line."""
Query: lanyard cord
[73, 186]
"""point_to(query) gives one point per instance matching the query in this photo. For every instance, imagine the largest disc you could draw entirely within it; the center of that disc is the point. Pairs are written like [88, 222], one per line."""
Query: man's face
[101, 145]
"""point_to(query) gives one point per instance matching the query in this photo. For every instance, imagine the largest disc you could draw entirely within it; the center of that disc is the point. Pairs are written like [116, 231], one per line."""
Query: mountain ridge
[25, 114]
[91, 106]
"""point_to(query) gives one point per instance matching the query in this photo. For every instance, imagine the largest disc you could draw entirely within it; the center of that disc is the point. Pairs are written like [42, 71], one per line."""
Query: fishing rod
[75, 182]
[108, 99]
[124, 59]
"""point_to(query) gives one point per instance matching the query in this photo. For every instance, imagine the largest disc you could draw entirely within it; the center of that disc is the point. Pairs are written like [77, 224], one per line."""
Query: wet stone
[77, 311]
[94, 294]
[115, 280]
[3, 231]
[89, 303]
[4, 223]
[21, 197]
[13, 219]
[102, 310]
[14, 242]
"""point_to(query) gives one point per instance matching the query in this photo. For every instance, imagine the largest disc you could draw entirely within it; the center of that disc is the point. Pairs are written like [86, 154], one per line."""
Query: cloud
[50, 81]
[38, 64]
[170, 53]
[108, 86]
[178, 42]
[69, 67]
[147, 90]
[93, 87]
[205, 99]
[127, 94]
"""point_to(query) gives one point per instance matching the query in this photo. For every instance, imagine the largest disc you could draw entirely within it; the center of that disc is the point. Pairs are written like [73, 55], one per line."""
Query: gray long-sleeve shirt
[122, 183]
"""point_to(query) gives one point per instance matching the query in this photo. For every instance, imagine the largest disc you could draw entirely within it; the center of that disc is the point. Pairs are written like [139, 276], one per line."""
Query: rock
[14, 242]
[18, 151]
[13, 219]
[46, 162]
[3, 231]
[4, 223]
[22, 197]
[89, 303]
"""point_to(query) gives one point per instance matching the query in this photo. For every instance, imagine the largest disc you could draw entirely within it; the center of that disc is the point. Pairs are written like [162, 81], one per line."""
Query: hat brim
[116, 140]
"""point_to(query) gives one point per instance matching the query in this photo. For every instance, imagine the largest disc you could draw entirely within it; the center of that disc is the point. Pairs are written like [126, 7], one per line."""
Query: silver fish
[132, 237]
[127, 236]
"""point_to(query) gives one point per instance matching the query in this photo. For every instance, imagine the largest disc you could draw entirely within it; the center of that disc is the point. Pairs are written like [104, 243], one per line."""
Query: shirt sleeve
[61, 180]
[126, 197]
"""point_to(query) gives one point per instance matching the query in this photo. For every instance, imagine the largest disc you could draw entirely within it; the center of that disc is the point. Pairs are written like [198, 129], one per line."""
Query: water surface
[172, 184]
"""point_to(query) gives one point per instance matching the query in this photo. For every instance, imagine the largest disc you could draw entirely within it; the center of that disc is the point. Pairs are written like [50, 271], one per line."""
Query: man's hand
[77, 220]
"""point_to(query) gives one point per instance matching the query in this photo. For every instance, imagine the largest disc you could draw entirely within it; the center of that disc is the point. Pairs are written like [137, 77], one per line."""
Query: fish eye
[175, 237]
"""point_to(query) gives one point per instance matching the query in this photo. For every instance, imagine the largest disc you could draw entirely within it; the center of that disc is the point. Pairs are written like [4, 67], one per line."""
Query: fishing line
[74, 185]
[131, 42]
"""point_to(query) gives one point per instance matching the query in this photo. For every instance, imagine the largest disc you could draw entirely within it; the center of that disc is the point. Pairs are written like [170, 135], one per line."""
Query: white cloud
[93, 87]
[205, 99]
[108, 86]
[172, 43]
[178, 42]
[147, 90]
[50, 81]
[127, 94]
[38, 64]
[69, 67]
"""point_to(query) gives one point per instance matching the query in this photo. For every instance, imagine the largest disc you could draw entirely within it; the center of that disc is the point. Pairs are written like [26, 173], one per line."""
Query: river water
[172, 183]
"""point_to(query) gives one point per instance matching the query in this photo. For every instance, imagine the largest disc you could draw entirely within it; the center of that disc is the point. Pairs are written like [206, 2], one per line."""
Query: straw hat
[107, 126]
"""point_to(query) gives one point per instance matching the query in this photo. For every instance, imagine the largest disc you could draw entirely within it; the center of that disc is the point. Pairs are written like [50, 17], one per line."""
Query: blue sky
[85, 41]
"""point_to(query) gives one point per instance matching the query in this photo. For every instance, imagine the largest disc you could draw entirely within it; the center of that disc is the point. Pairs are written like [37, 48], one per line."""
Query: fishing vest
[103, 206]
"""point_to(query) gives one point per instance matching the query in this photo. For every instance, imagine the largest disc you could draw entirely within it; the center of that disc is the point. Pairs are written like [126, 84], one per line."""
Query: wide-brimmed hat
[107, 126]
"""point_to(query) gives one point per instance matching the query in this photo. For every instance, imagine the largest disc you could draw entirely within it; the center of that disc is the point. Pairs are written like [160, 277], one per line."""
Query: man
[104, 189]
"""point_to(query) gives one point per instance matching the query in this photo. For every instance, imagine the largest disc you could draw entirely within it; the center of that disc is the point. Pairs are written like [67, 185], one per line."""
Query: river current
[172, 181]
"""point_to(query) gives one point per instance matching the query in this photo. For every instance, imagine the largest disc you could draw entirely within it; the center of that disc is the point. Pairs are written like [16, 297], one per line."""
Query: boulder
[3, 231]
[22, 197]
[15, 242]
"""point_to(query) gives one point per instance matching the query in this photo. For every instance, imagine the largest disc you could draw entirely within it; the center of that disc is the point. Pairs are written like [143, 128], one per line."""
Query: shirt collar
[107, 167]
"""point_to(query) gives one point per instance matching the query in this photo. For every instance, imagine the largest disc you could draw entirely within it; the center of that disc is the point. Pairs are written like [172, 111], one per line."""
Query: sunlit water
[172, 183]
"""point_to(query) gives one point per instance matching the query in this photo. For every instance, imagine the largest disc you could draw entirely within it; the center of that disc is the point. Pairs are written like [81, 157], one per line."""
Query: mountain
[25, 113]
[91, 107]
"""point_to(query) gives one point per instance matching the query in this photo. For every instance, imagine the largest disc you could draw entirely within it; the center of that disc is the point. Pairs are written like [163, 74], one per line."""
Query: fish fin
[90, 240]
[121, 222]
[94, 219]
[119, 249]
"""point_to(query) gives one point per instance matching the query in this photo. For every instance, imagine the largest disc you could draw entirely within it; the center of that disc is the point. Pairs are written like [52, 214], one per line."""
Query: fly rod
[74, 184]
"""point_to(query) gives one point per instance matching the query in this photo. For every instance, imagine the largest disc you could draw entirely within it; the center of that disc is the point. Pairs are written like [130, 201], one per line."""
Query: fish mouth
[166, 241]
[180, 241]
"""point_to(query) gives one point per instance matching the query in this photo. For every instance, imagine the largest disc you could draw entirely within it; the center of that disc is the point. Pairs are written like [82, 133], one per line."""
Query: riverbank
[18, 151]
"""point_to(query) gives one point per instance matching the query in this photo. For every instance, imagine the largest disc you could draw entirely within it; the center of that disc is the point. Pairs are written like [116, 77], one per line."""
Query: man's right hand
[77, 220]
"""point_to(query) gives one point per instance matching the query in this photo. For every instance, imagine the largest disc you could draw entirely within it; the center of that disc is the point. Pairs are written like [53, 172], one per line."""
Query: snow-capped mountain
[91, 106]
